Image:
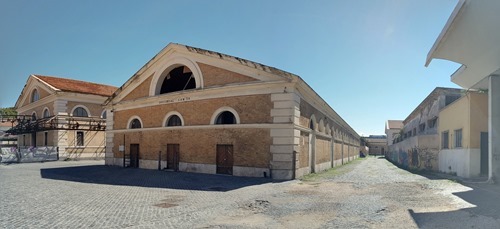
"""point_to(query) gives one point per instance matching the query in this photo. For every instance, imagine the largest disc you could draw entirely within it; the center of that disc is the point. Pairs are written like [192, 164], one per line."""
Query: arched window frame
[35, 95]
[104, 114]
[46, 109]
[219, 111]
[33, 114]
[312, 121]
[321, 126]
[169, 65]
[170, 114]
[81, 106]
[129, 123]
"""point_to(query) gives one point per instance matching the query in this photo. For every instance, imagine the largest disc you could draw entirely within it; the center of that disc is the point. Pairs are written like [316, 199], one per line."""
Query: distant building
[60, 117]
[418, 144]
[392, 130]
[377, 144]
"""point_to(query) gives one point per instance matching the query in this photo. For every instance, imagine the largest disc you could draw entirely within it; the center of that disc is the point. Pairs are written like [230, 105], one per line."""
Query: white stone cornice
[207, 93]
[231, 126]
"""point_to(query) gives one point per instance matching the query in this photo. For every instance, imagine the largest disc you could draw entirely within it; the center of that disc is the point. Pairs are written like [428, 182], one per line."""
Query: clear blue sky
[364, 57]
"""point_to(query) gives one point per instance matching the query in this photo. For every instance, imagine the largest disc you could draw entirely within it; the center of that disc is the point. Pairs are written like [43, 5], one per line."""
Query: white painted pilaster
[286, 109]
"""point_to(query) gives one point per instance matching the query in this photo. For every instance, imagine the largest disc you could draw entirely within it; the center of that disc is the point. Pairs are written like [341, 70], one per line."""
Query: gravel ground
[367, 193]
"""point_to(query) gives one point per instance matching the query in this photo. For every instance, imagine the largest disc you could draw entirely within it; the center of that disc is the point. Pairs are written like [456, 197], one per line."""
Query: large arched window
[174, 120]
[80, 112]
[35, 96]
[135, 124]
[178, 79]
[46, 113]
[226, 117]
[104, 114]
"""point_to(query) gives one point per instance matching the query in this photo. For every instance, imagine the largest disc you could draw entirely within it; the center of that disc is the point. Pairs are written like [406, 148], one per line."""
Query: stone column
[494, 128]
[285, 143]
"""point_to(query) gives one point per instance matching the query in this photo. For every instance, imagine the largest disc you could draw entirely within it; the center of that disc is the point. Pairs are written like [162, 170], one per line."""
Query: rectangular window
[414, 132]
[421, 127]
[79, 138]
[46, 140]
[432, 123]
[458, 138]
[444, 140]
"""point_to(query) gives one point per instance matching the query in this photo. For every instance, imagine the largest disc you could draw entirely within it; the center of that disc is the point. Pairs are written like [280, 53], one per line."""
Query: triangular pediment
[33, 83]
[209, 69]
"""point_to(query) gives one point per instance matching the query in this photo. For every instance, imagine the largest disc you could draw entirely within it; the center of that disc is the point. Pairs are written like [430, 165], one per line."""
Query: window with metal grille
[444, 140]
[80, 138]
[458, 138]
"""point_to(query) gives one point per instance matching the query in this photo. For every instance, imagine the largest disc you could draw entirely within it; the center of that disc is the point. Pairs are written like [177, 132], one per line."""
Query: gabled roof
[78, 86]
[204, 52]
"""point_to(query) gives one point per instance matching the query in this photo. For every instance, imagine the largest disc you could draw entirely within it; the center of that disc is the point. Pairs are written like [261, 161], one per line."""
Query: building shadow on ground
[484, 214]
[111, 175]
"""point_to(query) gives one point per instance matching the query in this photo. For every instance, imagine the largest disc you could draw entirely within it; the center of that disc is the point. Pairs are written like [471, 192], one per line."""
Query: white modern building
[471, 37]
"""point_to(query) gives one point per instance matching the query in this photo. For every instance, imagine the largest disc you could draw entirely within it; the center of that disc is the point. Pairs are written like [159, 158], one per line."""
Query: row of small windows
[321, 128]
[223, 118]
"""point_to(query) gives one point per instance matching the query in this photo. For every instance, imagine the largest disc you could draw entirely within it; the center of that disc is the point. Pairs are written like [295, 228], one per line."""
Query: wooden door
[225, 159]
[173, 156]
[134, 155]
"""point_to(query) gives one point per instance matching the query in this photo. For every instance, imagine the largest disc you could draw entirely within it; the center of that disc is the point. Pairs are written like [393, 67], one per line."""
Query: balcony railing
[22, 124]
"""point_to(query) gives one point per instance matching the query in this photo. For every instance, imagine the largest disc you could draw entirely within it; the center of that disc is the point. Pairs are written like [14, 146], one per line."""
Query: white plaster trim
[315, 125]
[300, 172]
[207, 93]
[231, 126]
[130, 121]
[148, 164]
[323, 166]
[102, 113]
[167, 116]
[43, 112]
[169, 64]
[36, 116]
[197, 167]
[222, 109]
[82, 106]
[250, 171]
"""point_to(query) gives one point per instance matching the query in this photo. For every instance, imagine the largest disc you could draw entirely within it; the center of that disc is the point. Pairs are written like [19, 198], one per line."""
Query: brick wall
[251, 109]
[251, 146]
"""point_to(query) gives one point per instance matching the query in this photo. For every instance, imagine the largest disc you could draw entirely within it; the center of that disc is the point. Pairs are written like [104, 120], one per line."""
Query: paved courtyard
[368, 193]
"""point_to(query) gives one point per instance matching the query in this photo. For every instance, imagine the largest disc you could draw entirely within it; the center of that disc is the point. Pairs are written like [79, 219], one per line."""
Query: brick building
[196, 110]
